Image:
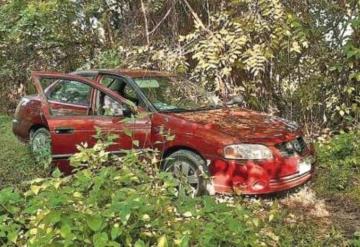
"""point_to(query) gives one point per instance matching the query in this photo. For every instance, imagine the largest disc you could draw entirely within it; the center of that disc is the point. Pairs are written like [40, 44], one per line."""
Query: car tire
[40, 145]
[192, 166]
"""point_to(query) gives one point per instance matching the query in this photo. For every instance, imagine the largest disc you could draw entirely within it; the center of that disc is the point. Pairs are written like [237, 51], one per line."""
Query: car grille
[297, 146]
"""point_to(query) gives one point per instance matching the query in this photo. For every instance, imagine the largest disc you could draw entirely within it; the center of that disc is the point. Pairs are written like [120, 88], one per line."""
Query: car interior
[106, 106]
[120, 86]
[75, 93]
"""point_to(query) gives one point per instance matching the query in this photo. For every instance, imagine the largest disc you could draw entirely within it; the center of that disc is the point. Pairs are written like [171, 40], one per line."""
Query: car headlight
[247, 152]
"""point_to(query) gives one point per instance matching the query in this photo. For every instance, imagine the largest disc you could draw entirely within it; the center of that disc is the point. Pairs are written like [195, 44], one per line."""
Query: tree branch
[196, 17]
[163, 19]
[143, 10]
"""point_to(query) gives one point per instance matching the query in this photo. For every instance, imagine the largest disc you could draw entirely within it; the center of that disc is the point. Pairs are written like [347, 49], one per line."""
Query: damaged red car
[240, 150]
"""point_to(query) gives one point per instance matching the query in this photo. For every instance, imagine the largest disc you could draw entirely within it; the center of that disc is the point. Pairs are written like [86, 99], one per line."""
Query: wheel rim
[40, 142]
[182, 170]
[41, 148]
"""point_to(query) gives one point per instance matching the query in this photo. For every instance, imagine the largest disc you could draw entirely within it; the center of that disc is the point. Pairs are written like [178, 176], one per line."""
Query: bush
[340, 159]
[119, 204]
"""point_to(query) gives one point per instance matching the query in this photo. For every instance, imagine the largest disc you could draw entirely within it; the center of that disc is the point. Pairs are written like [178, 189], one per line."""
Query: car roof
[134, 73]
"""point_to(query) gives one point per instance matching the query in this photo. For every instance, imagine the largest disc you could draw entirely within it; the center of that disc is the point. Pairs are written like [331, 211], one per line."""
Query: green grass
[16, 163]
[338, 181]
[339, 167]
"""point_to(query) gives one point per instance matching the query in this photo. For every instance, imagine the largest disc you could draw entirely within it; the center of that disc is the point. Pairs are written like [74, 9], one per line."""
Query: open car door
[102, 109]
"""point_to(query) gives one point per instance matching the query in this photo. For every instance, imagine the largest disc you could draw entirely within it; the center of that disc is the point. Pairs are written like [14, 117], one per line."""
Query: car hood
[245, 125]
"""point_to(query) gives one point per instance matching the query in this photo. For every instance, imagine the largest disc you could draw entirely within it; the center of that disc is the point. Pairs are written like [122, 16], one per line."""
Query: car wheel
[190, 168]
[40, 145]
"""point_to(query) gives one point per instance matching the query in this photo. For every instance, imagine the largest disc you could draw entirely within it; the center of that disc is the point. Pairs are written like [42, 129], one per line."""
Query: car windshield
[172, 94]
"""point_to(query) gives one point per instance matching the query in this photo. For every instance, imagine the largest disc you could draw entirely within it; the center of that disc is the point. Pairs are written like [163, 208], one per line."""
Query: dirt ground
[345, 214]
[304, 204]
[338, 212]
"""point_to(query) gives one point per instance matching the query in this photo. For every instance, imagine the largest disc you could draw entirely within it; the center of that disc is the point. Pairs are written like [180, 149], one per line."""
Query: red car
[241, 150]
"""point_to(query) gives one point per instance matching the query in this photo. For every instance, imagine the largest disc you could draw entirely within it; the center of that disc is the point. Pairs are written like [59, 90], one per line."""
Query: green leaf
[52, 218]
[162, 241]
[65, 231]
[115, 232]
[100, 239]
[128, 132]
[124, 215]
[35, 189]
[183, 242]
[136, 143]
[170, 138]
[94, 222]
[139, 243]
[56, 173]
[271, 217]
[12, 236]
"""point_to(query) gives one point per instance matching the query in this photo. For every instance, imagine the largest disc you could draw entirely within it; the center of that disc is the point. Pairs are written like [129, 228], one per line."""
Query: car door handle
[64, 130]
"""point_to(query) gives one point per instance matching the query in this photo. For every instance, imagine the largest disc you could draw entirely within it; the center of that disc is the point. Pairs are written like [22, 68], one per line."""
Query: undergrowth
[16, 163]
[339, 166]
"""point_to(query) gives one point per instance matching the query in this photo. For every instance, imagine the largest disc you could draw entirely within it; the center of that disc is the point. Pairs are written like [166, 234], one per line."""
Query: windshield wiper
[211, 107]
[193, 110]
[175, 110]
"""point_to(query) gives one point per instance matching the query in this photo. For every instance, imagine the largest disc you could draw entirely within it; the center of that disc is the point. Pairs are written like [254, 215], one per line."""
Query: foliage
[338, 178]
[145, 57]
[119, 204]
[239, 43]
[16, 162]
[41, 35]
[339, 161]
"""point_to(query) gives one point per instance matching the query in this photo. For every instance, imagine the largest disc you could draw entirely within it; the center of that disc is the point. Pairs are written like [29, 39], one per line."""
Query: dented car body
[242, 151]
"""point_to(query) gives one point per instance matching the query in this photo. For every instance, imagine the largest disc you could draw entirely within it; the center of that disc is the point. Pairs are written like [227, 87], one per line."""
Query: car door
[69, 128]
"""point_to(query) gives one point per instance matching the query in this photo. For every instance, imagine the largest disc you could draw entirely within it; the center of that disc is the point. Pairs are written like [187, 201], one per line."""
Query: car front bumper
[255, 179]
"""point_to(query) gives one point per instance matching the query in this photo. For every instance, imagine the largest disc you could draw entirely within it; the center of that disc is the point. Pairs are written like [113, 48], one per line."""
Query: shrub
[121, 204]
[340, 159]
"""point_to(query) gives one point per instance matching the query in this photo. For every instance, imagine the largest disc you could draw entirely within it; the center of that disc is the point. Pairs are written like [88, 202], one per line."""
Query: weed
[16, 162]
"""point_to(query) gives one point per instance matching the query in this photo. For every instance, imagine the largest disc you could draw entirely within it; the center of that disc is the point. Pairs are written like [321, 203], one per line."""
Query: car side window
[114, 83]
[120, 86]
[107, 106]
[71, 92]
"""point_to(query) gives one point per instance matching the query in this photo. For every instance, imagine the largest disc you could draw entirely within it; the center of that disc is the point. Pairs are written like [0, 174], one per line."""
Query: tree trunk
[146, 25]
